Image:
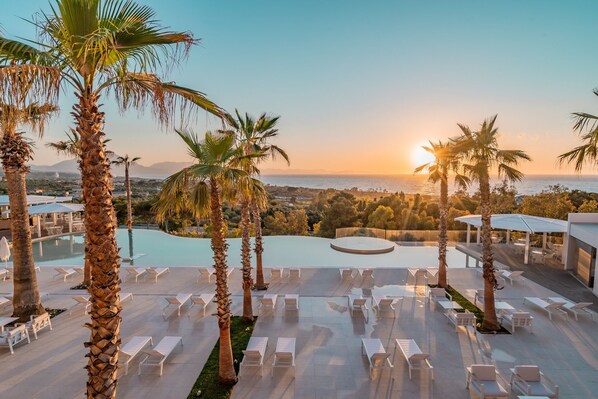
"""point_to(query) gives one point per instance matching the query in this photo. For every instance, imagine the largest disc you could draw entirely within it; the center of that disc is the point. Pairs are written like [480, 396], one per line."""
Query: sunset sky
[360, 85]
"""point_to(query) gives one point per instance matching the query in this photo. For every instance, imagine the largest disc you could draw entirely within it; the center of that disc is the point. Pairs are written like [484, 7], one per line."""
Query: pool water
[156, 248]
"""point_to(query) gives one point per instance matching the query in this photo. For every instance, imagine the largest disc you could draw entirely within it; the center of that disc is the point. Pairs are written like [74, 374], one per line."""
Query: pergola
[53, 209]
[517, 222]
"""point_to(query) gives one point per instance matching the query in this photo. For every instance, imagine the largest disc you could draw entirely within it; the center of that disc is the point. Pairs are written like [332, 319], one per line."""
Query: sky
[360, 86]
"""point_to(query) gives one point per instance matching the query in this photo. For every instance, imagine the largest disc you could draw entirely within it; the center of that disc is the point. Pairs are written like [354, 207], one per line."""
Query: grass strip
[207, 382]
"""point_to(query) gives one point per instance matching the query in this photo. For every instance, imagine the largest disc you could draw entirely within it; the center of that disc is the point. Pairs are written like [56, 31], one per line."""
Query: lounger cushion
[539, 389]
[493, 389]
[520, 314]
[528, 373]
[484, 372]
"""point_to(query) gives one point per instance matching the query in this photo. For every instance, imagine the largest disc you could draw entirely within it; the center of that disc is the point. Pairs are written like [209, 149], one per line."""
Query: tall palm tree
[127, 162]
[212, 178]
[254, 136]
[445, 161]
[98, 47]
[586, 125]
[15, 152]
[481, 156]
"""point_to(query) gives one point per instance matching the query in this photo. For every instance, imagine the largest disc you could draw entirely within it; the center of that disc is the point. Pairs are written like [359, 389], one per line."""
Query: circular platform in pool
[362, 245]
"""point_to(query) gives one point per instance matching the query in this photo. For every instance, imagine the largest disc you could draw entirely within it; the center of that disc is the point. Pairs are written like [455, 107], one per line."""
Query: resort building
[580, 250]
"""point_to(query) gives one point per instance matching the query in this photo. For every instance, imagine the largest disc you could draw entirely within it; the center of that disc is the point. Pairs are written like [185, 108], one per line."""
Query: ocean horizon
[411, 184]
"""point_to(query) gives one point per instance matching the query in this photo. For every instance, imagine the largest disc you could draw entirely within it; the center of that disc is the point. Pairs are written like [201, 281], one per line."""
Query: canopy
[518, 222]
[54, 208]
[36, 199]
[4, 249]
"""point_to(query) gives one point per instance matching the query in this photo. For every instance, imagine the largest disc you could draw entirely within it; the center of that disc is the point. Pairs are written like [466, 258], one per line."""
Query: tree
[552, 203]
[381, 218]
[276, 224]
[586, 125]
[481, 155]
[255, 136]
[297, 222]
[127, 162]
[98, 47]
[445, 160]
[15, 152]
[340, 212]
[210, 179]
[503, 199]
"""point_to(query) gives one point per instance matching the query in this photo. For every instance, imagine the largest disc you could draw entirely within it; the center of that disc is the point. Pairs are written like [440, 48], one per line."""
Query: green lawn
[207, 382]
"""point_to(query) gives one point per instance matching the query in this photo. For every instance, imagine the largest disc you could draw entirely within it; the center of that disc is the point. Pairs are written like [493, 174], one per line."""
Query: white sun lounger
[82, 301]
[132, 349]
[432, 275]
[485, 380]
[416, 359]
[125, 296]
[294, 274]
[268, 301]
[466, 319]
[64, 273]
[158, 355]
[176, 301]
[10, 338]
[366, 273]
[377, 356]
[529, 380]
[37, 323]
[512, 276]
[253, 356]
[157, 272]
[276, 273]
[203, 300]
[357, 302]
[346, 274]
[291, 302]
[382, 304]
[4, 302]
[4, 274]
[519, 319]
[550, 308]
[136, 272]
[229, 272]
[206, 273]
[285, 354]
[438, 294]
[577, 309]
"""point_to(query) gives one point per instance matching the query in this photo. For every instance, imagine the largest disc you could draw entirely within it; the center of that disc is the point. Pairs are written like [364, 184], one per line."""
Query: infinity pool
[155, 248]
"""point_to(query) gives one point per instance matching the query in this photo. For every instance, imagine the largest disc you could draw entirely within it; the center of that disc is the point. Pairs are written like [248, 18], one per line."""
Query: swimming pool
[161, 249]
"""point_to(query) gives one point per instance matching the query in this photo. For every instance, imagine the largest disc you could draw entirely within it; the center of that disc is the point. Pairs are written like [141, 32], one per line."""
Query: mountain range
[158, 170]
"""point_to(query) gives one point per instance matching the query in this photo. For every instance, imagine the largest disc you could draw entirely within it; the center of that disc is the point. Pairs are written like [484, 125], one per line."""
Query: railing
[403, 235]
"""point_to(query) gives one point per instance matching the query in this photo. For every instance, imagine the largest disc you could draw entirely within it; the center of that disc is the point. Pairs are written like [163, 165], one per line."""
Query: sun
[419, 156]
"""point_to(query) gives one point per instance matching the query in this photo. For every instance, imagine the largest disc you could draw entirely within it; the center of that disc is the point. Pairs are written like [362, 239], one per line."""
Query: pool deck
[329, 363]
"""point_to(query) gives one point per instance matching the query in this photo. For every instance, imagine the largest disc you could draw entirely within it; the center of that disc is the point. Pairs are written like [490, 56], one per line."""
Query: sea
[410, 184]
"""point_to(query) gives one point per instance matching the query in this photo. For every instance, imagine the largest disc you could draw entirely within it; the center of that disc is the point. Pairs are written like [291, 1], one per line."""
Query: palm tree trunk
[102, 252]
[442, 236]
[226, 369]
[26, 299]
[129, 206]
[246, 259]
[260, 284]
[490, 283]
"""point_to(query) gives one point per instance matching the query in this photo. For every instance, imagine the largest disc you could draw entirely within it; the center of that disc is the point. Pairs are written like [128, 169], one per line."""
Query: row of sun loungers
[528, 380]
[154, 272]
[9, 338]
[284, 356]
[154, 356]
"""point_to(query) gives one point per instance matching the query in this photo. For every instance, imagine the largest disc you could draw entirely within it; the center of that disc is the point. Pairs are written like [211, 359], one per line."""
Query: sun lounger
[432, 275]
[4, 302]
[37, 323]
[294, 274]
[550, 308]
[381, 304]
[176, 302]
[4, 274]
[276, 273]
[466, 319]
[64, 273]
[519, 319]
[268, 301]
[132, 349]
[357, 302]
[157, 272]
[125, 296]
[577, 309]
[346, 274]
[438, 294]
[136, 272]
[284, 357]
[366, 273]
[530, 381]
[291, 302]
[203, 300]
[377, 356]
[158, 355]
[416, 359]
[485, 380]
[206, 273]
[79, 270]
[82, 301]
[512, 276]
[253, 356]
[10, 338]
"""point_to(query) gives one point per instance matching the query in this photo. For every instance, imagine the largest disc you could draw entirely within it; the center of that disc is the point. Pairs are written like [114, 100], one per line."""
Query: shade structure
[36, 199]
[53, 208]
[518, 222]
[4, 249]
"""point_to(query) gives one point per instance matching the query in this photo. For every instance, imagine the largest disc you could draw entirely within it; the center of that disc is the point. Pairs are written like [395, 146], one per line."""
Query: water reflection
[60, 248]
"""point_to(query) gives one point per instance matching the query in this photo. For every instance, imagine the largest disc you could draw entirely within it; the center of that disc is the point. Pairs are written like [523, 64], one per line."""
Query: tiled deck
[328, 354]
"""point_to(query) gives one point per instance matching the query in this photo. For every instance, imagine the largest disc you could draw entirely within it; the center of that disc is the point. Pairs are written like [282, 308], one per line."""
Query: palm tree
[98, 47]
[587, 126]
[255, 136]
[445, 161]
[127, 162]
[207, 183]
[481, 155]
[15, 152]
